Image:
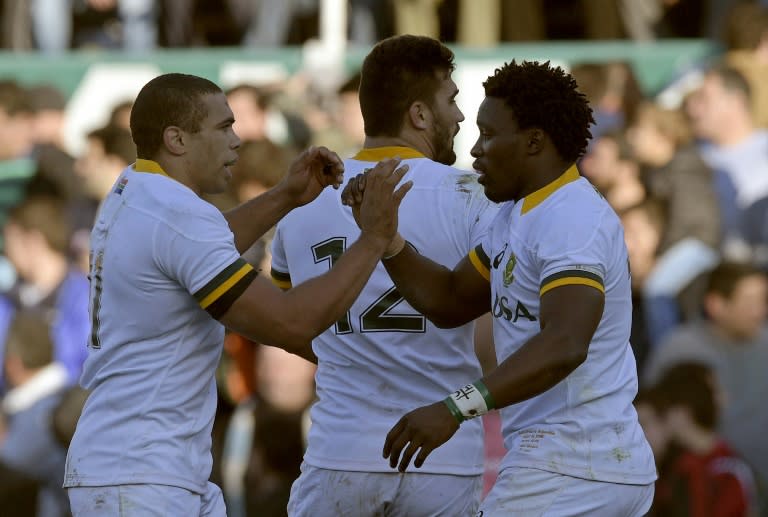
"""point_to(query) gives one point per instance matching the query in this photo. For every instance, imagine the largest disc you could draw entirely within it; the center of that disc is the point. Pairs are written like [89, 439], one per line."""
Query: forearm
[537, 366]
[252, 219]
[429, 287]
[323, 300]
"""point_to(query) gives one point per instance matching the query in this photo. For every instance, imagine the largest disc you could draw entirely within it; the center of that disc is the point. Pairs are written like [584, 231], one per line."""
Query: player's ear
[535, 139]
[418, 115]
[174, 140]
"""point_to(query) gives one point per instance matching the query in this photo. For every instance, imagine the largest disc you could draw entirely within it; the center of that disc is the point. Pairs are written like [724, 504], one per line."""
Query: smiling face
[212, 149]
[447, 117]
[500, 152]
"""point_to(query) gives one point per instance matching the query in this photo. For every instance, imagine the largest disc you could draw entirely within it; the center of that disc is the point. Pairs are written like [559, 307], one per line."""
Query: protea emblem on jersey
[508, 276]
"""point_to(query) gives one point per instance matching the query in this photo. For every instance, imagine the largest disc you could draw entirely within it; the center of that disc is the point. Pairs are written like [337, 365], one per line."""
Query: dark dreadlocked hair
[545, 97]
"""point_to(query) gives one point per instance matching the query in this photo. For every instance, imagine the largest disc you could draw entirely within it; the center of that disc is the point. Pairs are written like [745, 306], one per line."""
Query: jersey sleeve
[479, 213]
[574, 251]
[479, 258]
[200, 254]
[279, 273]
[482, 212]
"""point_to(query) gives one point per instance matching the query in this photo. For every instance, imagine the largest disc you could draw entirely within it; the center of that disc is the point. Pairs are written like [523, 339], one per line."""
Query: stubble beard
[444, 152]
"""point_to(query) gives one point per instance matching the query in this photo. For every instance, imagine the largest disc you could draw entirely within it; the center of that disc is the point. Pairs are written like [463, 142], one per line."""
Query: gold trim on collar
[534, 199]
[375, 154]
[151, 166]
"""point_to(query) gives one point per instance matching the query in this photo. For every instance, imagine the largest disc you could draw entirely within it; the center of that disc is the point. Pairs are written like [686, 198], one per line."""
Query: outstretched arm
[569, 317]
[291, 319]
[448, 298]
[314, 169]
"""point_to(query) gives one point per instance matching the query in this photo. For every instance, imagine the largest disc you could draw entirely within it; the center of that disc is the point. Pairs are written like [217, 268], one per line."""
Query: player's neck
[542, 174]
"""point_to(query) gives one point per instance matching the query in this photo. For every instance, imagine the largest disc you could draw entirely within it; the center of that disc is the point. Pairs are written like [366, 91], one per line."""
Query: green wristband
[486, 394]
[454, 409]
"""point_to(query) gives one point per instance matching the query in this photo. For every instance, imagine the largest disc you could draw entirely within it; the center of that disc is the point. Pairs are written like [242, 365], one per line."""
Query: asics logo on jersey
[497, 258]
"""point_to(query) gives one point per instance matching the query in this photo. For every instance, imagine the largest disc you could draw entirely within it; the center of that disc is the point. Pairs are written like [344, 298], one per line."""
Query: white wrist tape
[470, 401]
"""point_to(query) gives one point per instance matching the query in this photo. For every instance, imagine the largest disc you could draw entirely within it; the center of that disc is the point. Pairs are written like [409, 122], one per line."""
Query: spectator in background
[249, 106]
[350, 116]
[345, 131]
[66, 413]
[657, 434]
[108, 150]
[18, 493]
[16, 164]
[613, 93]
[721, 116]
[54, 165]
[120, 115]
[52, 24]
[256, 118]
[280, 424]
[370, 21]
[733, 341]
[37, 382]
[270, 20]
[643, 228]
[419, 17]
[610, 166]
[37, 244]
[746, 40]
[675, 174]
[705, 478]
[48, 106]
[261, 166]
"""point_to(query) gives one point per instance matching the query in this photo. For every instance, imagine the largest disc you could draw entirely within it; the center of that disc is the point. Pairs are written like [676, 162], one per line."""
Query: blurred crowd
[54, 26]
[686, 170]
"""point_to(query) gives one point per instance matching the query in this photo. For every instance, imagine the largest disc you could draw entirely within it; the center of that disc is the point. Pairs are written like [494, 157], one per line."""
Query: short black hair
[397, 72]
[545, 97]
[168, 100]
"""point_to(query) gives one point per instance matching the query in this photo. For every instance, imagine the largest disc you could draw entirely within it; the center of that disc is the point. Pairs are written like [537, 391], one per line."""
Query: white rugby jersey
[163, 262]
[586, 425]
[383, 358]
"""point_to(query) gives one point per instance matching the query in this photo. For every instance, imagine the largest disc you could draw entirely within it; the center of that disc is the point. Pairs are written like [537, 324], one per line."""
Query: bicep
[573, 310]
[472, 287]
[261, 313]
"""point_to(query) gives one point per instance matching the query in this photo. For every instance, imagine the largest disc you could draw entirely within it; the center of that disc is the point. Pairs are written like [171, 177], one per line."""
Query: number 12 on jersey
[378, 316]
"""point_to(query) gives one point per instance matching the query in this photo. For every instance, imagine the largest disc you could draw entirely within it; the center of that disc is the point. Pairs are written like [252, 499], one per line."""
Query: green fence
[654, 63]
